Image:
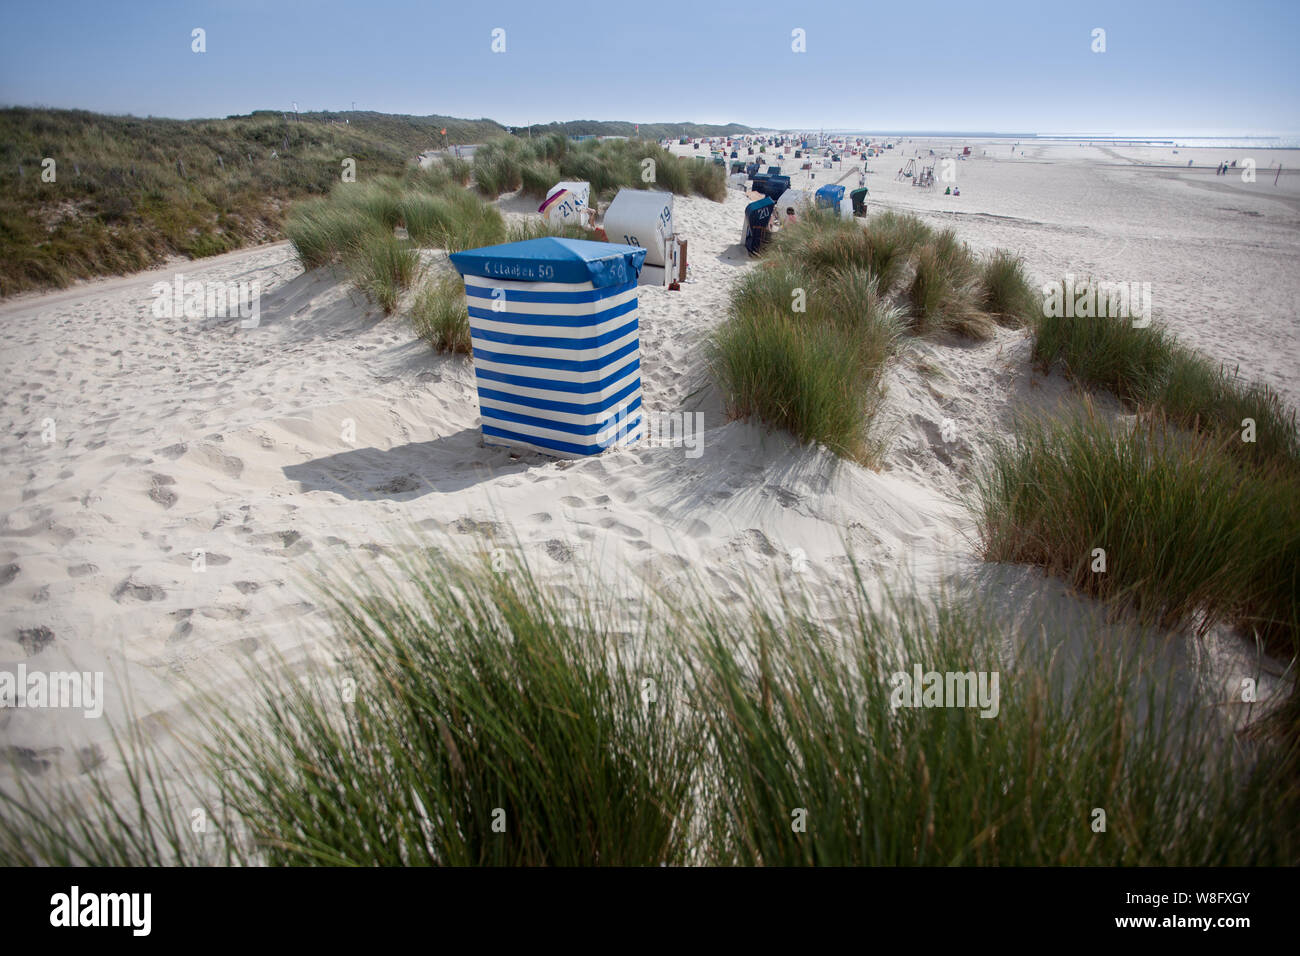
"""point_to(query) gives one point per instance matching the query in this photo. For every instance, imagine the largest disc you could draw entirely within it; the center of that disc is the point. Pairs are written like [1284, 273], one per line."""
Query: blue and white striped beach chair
[557, 349]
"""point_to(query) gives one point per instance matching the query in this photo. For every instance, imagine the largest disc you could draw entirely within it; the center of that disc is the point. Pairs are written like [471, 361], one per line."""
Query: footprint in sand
[31, 760]
[788, 499]
[557, 550]
[487, 529]
[33, 640]
[291, 542]
[613, 524]
[184, 628]
[159, 492]
[698, 529]
[755, 540]
[128, 590]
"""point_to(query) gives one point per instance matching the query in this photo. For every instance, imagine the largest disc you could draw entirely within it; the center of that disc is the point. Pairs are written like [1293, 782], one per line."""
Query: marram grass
[1149, 516]
[1149, 369]
[811, 329]
[476, 719]
[439, 316]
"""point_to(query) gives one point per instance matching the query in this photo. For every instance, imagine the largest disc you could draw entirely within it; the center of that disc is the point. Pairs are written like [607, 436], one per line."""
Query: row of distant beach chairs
[759, 213]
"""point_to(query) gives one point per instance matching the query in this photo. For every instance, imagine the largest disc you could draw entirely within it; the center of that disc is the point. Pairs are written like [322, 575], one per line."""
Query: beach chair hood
[759, 212]
[552, 259]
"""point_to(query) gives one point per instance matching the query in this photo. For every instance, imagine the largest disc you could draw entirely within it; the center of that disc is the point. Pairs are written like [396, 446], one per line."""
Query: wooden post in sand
[1279, 173]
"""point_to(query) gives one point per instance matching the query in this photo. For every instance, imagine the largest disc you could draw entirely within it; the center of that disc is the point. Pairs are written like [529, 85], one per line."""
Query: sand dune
[198, 472]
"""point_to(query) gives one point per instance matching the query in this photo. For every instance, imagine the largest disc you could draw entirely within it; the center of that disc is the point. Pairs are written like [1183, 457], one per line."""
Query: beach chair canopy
[556, 343]
[552, 259]
[644, 218]
[759, 212]
[859, 195]
[792, 199]
[830, 196]
[771, 186]
[774, 170]
[565, 202]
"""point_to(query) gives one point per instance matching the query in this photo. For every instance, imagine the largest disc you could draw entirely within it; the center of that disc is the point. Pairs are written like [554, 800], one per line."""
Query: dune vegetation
[355, 227]
[1170, 523]
[124, 193]
[473, 718]
[1149, 370]
[127, 192]
[536, 165]
[1189, 515]
[810, 330]
[440, 317]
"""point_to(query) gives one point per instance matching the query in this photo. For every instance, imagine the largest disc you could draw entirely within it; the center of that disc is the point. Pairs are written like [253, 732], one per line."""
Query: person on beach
[789, 215]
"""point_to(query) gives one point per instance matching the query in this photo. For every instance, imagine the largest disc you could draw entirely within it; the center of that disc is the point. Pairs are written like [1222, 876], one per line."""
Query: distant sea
[1184, 142]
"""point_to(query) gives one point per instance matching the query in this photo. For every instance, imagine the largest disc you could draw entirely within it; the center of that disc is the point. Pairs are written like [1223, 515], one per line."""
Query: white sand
[174, 435]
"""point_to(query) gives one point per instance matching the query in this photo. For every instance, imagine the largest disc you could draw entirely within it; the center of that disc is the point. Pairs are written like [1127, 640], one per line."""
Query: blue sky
[1188, 67]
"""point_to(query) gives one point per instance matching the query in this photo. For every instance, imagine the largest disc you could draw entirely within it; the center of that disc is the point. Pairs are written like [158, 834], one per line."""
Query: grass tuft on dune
[440, 317]
[809, 331]
[1171, 524]
[474, 718]
[1148, 369]
[536, 165]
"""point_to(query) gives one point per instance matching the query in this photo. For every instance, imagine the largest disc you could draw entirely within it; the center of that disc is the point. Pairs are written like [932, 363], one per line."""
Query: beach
[176, 485]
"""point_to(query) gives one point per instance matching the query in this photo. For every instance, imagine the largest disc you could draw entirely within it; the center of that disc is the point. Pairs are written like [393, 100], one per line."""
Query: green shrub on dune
[535, 166]
[806, 730]
[805, 352]
[534, 227]
[883, 247]
[538, 178]
[498, 167]
[804, 379]
[322, 231]
[709, 181]
[132, 191]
